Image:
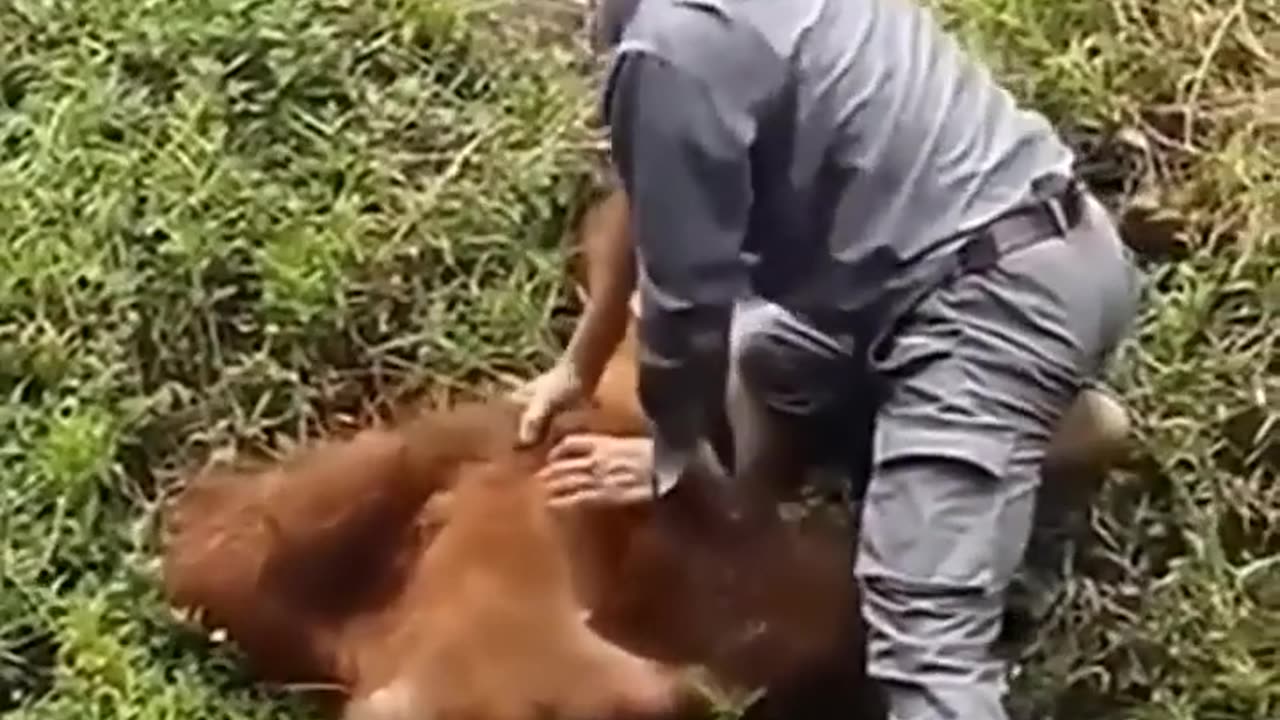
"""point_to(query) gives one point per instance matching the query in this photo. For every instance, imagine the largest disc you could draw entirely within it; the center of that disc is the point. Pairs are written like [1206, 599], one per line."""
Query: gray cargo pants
[979, 376]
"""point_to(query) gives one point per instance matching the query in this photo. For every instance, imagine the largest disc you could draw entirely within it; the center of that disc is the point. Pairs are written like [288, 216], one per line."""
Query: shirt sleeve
[683, 157]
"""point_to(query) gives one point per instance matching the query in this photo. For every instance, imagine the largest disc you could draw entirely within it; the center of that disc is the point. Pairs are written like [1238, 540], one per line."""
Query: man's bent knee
[788, 365]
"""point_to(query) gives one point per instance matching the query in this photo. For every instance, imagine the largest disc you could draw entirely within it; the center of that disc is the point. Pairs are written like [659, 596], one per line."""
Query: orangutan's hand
[544, 396]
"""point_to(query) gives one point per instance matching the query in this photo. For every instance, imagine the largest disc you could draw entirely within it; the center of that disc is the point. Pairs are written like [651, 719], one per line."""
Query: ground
[228, 224]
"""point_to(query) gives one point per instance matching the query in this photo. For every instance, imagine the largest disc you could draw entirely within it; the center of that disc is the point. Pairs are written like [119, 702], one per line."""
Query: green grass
[230, 223]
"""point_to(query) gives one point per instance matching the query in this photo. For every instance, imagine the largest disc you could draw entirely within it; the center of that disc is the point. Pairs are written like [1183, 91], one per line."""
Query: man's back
[878, 138]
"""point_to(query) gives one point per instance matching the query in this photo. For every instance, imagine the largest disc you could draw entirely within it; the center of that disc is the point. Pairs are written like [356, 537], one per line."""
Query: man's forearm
[684, 156]
[682, 368]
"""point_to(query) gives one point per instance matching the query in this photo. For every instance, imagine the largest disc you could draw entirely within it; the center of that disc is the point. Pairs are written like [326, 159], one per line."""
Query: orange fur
[417, 569]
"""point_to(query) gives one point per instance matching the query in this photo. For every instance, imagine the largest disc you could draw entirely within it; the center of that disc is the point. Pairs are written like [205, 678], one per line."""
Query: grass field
[233, 222]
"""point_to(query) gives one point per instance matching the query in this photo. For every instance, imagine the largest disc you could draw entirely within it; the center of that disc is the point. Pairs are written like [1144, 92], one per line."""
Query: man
[880, 225]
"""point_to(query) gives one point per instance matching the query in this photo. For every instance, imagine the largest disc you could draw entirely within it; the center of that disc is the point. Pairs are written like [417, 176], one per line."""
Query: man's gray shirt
[808, 151]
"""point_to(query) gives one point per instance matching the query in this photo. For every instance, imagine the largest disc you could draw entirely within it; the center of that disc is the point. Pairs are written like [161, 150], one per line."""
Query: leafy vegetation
[233, 223]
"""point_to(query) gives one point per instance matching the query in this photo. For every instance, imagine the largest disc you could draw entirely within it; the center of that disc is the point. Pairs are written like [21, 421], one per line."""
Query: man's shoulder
[729, 45]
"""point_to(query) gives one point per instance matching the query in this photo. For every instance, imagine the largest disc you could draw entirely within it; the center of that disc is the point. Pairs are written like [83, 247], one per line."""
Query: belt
[1056, 206]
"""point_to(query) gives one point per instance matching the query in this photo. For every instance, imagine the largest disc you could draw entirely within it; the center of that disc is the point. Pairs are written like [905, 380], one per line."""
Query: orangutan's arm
[610, 278]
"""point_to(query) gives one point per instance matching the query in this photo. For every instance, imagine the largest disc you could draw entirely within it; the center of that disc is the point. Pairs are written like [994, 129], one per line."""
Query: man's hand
[544, 396]
[599, 469]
